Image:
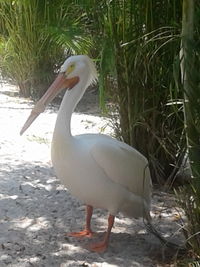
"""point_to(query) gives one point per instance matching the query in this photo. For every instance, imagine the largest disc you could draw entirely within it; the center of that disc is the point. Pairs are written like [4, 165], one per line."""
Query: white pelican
[99, 170]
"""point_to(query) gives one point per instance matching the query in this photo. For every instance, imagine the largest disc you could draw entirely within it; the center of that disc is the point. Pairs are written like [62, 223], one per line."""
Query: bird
[99, 170]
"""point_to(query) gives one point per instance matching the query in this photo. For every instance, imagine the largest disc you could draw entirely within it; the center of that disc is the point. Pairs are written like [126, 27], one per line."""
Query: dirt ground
[36, 210]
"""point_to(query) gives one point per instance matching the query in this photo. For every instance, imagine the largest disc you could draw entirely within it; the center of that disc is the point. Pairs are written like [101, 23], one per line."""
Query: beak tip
[22, 131]
[28, 122]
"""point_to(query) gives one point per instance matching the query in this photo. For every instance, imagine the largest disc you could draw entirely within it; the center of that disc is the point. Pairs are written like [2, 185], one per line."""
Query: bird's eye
[70, 69]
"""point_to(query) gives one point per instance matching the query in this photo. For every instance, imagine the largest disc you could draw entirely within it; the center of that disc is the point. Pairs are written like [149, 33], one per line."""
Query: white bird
[99, 170]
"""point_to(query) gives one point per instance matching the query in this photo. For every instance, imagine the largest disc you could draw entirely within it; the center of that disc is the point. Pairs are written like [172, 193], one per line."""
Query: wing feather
[123, 165]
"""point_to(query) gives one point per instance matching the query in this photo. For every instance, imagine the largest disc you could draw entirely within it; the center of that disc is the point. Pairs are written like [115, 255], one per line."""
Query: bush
[36, 36]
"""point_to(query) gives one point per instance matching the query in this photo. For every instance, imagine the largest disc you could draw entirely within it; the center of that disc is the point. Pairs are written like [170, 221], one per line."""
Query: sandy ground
[36, 210]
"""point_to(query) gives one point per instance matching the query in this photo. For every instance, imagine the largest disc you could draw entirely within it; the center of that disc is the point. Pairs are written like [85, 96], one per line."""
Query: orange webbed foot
[84, 233]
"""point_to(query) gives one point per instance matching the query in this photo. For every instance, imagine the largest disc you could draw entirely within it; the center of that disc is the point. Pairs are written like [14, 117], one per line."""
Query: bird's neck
[69, 102]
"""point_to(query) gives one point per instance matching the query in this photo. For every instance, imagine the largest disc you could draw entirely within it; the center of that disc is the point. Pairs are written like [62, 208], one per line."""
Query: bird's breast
[74, 167]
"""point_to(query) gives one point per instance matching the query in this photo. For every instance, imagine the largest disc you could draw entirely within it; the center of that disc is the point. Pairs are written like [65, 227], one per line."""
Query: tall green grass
[189, 194]
[35, 37]
[138, 42]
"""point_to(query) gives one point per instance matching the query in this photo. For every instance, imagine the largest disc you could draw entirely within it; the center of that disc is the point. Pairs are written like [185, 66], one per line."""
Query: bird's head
[71, 72]
[80, 66]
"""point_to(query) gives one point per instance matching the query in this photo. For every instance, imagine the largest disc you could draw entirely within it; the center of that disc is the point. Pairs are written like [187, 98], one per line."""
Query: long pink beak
[60, 83]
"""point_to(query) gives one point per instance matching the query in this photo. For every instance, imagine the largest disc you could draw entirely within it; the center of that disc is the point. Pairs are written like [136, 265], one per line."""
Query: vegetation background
[148, 56]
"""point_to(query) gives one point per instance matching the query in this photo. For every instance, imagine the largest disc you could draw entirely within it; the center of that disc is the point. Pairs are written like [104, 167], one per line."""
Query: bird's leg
[102, 246]
[87, 231]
